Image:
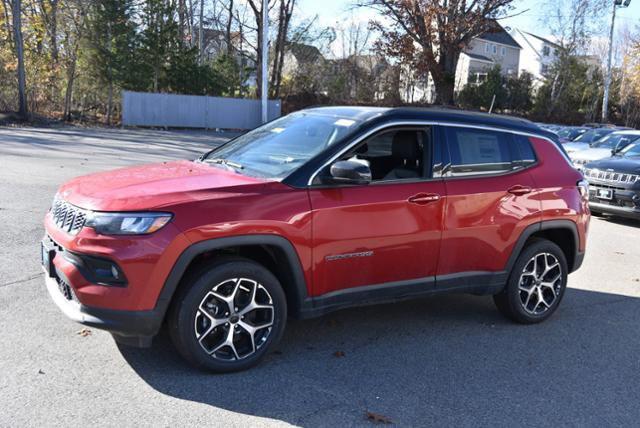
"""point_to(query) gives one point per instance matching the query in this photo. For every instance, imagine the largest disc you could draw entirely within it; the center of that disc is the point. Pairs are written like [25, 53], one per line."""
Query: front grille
[68, 217]
[611, 176]
[66, 290]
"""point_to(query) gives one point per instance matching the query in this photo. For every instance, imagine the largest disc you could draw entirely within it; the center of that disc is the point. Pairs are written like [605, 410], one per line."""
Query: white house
[494, 47]
[538, 54]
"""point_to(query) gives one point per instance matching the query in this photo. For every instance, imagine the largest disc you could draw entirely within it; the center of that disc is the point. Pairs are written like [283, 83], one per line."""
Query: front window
[613, 141]
[592, 136]
[279, 147]
[632, 150]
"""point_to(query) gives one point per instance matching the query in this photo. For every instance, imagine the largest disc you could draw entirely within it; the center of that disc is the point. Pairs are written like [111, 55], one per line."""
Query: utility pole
[607, 79]
[265, 60]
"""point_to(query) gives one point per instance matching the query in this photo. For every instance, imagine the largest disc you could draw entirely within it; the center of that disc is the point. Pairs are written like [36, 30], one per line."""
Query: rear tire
[228, 315]
[536, 284]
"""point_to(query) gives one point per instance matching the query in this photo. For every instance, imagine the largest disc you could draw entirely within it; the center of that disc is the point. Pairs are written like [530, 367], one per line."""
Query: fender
[298, 287]
[548, 225]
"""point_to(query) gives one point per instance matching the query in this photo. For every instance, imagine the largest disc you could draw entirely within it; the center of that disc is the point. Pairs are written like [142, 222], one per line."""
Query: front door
[387, 232]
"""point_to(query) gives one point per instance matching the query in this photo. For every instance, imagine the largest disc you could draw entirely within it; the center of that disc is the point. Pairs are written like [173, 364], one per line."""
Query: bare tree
[573, 24]
[430, 34]
[16, 13]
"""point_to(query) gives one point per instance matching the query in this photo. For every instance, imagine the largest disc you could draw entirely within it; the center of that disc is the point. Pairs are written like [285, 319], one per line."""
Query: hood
[625, 165]
[591, 154]
[154, 186]
[574, 147]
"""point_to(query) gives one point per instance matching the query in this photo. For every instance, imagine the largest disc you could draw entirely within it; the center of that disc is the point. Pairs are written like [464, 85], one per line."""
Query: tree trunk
[228, 33]
[19, 45]
[445, 76]
[7, 22]
[201, 33]
[68, 96]
[110, 103]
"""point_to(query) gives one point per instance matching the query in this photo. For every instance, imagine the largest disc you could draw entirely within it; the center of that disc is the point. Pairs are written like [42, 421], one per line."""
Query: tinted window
[277, 148]
[478, 152]
[393, 155]
[524, 149]
[632, 150]
[613, 141]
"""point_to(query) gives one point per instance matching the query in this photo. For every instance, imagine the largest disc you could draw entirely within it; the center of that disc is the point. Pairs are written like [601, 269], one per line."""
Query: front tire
[228, 315]
[536, 284]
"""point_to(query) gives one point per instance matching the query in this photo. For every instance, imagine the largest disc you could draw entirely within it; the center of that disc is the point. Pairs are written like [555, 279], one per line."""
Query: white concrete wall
[193, 111]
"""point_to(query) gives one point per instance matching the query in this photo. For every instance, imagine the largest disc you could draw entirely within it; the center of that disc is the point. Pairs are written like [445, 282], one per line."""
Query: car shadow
[623, 221]
[447, 360]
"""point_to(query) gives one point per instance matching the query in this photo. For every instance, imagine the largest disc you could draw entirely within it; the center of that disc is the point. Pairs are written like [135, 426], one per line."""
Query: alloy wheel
[540, 283]
[234, 319]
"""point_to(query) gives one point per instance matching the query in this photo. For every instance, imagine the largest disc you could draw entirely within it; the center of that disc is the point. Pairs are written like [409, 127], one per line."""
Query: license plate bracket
[47, 255]
[605, 194]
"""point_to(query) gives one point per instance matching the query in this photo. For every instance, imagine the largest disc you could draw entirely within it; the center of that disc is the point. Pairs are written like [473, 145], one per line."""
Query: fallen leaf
[40, 371]
[618, 252]
[338, 354]
[84, 332]
[636, 279]
[377, 418]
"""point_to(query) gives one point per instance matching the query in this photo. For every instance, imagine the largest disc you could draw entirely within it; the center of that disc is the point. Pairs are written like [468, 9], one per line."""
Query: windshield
[631, 150]
[591, 136]
[613, 141]
[279, 147]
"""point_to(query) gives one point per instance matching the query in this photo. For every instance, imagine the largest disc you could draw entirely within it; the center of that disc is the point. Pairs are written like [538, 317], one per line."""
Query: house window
[545, 50]
[503, 51]
[495, 49]
[486, 48]
[544, 68]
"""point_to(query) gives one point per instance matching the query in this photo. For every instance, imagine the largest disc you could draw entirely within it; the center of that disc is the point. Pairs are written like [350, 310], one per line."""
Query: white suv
[604, 147]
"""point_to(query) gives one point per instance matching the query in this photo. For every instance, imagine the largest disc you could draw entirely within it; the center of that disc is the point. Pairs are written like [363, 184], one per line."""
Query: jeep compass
[318, 210]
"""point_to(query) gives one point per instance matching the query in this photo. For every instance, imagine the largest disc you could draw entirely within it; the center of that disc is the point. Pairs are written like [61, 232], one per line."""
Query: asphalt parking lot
[449, 360]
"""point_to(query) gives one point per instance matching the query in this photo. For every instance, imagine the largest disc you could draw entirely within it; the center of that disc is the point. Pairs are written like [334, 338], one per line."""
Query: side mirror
[349, 172]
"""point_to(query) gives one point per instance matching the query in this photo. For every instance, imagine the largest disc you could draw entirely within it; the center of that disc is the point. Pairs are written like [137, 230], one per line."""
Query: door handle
[424, 198]
[519, 190]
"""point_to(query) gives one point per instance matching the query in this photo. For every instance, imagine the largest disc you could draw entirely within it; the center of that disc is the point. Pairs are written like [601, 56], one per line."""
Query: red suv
[316, 211]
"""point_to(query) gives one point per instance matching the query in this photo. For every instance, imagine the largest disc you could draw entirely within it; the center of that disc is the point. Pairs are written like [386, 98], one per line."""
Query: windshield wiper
[225, 162]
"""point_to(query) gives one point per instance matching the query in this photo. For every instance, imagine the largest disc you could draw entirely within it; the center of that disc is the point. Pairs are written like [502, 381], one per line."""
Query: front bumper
[623, 202]
[135, 328]
[615, 210]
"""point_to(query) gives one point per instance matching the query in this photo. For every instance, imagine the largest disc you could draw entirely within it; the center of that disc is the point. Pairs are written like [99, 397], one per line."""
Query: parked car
[604, 148]
[319, 210]
[582, 142]
[570, 133]
[615, 183]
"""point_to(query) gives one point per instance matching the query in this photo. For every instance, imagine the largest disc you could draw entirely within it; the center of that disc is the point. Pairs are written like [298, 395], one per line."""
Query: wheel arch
[274, 252]
[563, 233]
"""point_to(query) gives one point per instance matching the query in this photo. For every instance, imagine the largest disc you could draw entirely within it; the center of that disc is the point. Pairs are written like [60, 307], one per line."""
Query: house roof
[542, 39]
[478, 57]
[305, 53]
[498, 34]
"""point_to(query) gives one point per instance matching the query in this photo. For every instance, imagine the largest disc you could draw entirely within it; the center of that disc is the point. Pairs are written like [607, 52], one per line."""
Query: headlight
[127, 223]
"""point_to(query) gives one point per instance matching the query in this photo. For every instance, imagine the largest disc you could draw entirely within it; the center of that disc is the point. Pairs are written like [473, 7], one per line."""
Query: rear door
[384, 233]
[490, 200]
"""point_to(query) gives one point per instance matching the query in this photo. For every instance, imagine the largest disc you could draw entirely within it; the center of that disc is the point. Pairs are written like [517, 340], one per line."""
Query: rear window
[475, 152]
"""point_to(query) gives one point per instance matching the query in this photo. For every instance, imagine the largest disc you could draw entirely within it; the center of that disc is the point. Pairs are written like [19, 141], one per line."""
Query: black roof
[382, 114]
[499, 35]
[478, 57]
